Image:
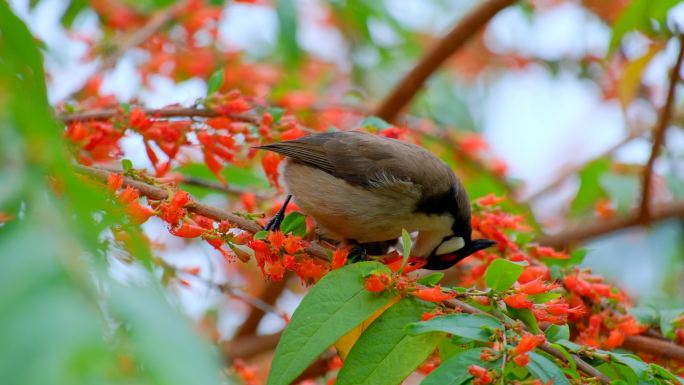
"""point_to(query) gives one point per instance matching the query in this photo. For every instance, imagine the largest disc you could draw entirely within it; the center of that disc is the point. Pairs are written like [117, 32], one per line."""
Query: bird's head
[453, 249]
[457, 244]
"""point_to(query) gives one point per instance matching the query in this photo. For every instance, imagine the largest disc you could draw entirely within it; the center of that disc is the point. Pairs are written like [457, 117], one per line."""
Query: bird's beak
[480, 244]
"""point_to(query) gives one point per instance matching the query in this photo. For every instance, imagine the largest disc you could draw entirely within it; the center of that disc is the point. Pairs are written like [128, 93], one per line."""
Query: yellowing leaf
[631, 78]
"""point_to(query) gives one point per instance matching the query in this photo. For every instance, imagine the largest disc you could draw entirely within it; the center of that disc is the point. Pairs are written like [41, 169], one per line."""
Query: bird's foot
[274, 223]
[357, 254]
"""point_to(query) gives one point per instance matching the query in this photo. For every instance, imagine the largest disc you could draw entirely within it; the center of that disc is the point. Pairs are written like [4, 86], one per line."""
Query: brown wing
[369, 160]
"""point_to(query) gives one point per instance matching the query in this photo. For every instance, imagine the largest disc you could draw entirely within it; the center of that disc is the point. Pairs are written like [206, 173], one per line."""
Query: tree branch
[584, 231]
[166, 112]
[219, 187]
[659, 139]
[215, 213]
[654, 346]
[413, 81]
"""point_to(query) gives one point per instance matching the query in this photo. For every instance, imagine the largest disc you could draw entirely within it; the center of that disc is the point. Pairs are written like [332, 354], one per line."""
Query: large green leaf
[454, 371]
[332, 308]
[385, 354]
[544, 369]
[478, 327]
[502, 274]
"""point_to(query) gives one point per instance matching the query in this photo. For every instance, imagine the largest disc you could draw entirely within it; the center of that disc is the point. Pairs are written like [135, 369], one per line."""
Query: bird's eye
[450, 245]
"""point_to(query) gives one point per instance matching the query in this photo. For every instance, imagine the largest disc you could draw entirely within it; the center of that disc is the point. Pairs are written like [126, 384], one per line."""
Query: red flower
[139, 121]
[248, 200]
[489, 200]
[292, 244]
[114, 182]
[194, 270]
[276, 239]
[529, 342]
[310, 271]
[536, 286]
[480, 374]
[376, 283]
[518, 301]
[339, 258]
[521, 360]
[547, 252]
[270, 162]
[615, 339]
[472, 144]
[434, 294]
[187, 230]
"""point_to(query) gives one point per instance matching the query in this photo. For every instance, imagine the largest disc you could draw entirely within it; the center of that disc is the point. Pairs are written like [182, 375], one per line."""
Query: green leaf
[74, 9]
[261, 234]
[276, 113]
[661, 372]
[502, 274]
[543, 297]
[430, 279]
[666, 318]
[287, 34]
[407, 245]
[526, 316]
[641, 15]
[332, 308]
[545, 370]
[638, 367]
[385, 354]
[454, 371]
[295, 223]
[215, 82]
[127, 165]
[557, 332]
[573, 347]
[478, 327]
[590, 189]
[646, 315]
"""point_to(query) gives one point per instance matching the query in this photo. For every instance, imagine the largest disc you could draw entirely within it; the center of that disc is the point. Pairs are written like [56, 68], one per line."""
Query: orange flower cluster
[608, 330]
[280, 252]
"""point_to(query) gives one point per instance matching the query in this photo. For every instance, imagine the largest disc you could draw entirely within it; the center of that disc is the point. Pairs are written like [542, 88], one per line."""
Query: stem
[584, 231]
[659, 139]
[166, 112]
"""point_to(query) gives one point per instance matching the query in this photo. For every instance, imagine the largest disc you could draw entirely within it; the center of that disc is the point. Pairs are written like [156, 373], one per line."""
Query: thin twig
[219, 187]
[468, 26]
[166, 112]
[659, 138]
[597, 228]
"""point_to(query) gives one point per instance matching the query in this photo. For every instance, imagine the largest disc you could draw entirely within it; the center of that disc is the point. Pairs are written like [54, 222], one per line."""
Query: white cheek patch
[450, 246]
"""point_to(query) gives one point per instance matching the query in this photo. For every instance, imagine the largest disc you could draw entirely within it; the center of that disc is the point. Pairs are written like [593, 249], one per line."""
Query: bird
[364, 189]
